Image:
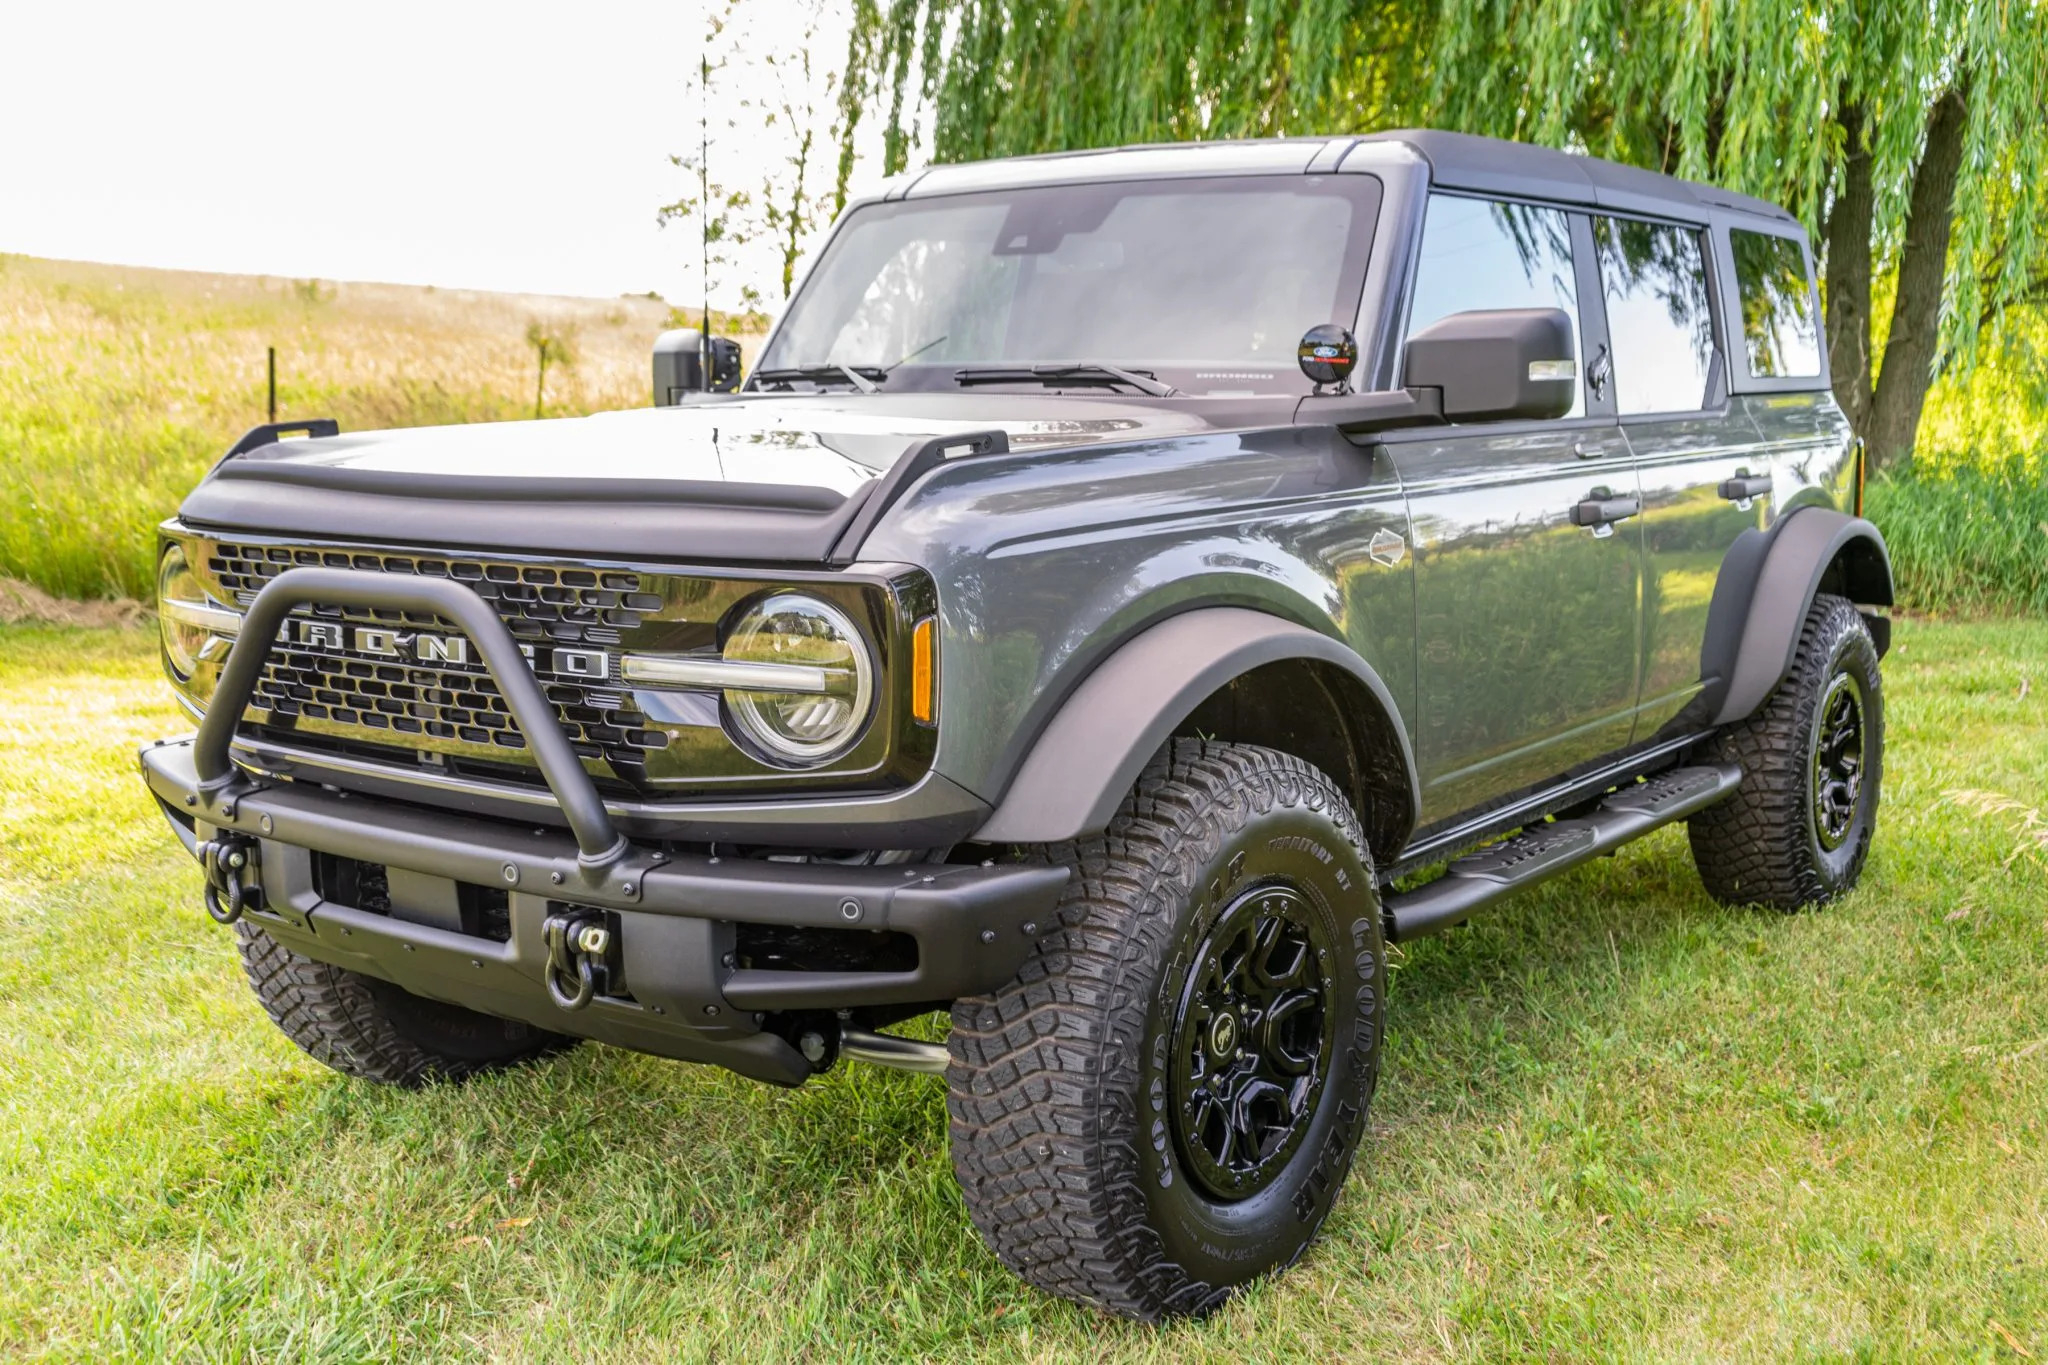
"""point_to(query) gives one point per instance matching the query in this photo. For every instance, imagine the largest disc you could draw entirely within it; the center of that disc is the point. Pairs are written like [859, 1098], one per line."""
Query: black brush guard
[675, 914]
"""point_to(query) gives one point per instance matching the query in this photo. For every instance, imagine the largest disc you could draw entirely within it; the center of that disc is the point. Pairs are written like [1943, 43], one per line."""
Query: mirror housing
[679, 366]
[1496, 364]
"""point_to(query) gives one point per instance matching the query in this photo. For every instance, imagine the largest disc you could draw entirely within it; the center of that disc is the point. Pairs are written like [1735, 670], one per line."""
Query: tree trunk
[1848, 273]
[1909, 351]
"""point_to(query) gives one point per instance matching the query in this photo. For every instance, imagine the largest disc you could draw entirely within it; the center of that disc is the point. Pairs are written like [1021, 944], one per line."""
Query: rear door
[1704, 478]
[1526, 624]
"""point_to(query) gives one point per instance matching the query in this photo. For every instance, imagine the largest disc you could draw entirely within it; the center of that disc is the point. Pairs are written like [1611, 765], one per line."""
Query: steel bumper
[676, 917]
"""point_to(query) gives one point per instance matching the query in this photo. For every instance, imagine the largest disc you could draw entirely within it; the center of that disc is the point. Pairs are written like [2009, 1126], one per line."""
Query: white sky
[513, 146]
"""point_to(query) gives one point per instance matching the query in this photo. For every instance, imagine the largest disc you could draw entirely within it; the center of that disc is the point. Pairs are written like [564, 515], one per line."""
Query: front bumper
[676, 985]
[677, 917]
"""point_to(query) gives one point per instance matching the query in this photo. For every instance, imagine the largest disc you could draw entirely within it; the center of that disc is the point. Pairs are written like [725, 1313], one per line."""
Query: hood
[755, 478]
[826, 443]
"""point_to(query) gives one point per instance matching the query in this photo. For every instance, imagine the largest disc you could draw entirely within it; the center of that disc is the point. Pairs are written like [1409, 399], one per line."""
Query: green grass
[1618, 1122]
[1968, 540]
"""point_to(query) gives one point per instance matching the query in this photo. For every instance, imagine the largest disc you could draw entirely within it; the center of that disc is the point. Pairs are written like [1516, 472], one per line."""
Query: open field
[1618, 1122]
[120, 385]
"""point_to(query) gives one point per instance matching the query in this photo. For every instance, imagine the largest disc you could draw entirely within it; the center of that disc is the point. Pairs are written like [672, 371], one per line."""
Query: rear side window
[1477, 253]
[1779, 332]
[1654, 279]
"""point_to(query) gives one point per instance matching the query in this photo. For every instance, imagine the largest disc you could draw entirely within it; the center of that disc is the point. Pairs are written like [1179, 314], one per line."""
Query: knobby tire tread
[1045, 1072]
[1754, 847]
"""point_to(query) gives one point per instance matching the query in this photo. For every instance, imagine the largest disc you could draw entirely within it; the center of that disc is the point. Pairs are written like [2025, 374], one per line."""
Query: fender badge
[1387, 548]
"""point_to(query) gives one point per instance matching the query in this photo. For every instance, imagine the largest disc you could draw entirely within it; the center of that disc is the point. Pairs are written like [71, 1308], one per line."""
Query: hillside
[118, 385]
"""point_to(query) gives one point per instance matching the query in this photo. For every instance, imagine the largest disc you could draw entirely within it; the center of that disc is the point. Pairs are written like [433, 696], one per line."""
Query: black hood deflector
[614, 521]
[797, 479]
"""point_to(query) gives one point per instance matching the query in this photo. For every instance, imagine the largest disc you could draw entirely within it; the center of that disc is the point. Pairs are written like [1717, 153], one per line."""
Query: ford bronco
[1121, 581]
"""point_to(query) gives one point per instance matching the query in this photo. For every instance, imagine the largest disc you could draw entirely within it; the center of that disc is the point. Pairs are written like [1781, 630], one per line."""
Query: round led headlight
[177, 586]
[815, 698]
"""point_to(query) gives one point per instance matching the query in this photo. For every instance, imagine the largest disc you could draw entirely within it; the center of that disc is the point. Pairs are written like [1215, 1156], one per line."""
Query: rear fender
[1768, 582]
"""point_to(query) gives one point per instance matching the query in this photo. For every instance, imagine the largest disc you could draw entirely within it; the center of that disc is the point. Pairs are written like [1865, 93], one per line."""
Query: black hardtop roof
[1496, 166]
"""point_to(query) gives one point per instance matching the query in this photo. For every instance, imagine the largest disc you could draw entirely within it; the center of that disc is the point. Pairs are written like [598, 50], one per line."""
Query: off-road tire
[374, 1030]
[1763, 845]
[1072, 1162]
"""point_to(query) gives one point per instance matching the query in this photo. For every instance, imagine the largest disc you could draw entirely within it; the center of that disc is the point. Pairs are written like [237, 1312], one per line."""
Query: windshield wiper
[829, 373]
[1082, 373]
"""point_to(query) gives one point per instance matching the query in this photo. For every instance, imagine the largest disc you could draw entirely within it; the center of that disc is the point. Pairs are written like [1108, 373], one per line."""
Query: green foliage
[1997, 407]
[1008, 79]
[1743, 95]
[1769, 99]
[1617, 1122]
[1967, 539]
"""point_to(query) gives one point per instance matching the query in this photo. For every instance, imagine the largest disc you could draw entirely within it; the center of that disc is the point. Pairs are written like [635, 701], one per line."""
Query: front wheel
[1797, 831]
[1164, 1102]
[375, 1031]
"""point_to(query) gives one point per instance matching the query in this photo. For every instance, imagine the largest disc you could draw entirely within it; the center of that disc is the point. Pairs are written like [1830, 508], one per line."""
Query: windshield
[1205, 284]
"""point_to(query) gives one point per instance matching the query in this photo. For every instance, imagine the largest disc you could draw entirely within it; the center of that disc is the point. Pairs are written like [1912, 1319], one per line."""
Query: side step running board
[1542, 851]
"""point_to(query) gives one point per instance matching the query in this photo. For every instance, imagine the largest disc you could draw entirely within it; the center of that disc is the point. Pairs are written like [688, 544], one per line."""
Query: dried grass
[119, 385]
[2028, 826]
[26, 603]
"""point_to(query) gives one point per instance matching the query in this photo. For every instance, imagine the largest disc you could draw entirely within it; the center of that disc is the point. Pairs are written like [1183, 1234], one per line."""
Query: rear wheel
[1164, 1102]
[376, 1031]
[1797, 831]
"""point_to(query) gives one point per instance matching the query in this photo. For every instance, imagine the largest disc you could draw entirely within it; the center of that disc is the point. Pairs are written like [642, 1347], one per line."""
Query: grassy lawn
[1618, 1121]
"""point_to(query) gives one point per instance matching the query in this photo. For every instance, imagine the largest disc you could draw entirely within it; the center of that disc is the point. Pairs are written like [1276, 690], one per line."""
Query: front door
[1527, 621]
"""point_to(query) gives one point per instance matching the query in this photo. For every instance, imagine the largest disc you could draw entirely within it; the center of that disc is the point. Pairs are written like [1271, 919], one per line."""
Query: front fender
[1089, 755]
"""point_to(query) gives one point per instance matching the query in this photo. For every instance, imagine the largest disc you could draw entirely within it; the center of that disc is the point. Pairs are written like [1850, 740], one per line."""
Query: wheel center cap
[1223, 1035]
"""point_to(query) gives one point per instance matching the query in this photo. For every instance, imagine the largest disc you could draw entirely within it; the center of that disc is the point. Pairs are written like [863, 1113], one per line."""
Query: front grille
[449, 708]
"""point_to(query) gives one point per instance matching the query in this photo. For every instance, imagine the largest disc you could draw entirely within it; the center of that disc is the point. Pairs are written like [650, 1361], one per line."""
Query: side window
[1477, 253]
[1654, 279]
[1779, 332]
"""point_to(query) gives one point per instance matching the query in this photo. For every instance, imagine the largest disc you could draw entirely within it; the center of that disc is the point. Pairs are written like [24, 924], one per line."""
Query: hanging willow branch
[1769, 99]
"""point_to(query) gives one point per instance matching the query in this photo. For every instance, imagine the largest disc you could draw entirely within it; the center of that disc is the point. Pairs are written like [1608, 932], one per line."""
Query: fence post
[273, 383]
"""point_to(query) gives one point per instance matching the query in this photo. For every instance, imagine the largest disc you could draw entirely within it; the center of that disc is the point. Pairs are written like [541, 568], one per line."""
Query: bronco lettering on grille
[384, 643]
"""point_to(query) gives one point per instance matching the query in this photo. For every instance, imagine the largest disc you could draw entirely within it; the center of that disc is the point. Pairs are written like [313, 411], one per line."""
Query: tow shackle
[227, 861]
[577, 941]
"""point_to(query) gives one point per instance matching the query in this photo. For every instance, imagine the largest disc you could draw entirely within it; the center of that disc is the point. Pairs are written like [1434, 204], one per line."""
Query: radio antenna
[704, 206]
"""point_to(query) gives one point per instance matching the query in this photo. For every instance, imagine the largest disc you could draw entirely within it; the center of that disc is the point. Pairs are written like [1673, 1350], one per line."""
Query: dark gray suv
[1116, 572]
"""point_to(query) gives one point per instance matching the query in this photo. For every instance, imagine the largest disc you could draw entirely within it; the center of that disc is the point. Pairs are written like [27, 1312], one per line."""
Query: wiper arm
[918, 352]
[1080, 373]
[856, 378]
[829, 373]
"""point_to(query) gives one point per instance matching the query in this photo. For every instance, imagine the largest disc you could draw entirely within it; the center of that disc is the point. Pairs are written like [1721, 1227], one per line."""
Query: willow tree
[1909, 138]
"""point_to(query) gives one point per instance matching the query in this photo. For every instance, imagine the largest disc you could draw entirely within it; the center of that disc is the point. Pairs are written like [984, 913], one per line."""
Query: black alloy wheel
[1837, 779]
[1252, 1044]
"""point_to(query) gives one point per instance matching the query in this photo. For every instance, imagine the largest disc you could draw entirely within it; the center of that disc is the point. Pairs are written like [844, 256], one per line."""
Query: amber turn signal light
[924, 702]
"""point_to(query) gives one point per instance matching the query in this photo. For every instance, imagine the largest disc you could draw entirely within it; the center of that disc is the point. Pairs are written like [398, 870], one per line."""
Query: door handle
[1745, 486]
[1603, 509]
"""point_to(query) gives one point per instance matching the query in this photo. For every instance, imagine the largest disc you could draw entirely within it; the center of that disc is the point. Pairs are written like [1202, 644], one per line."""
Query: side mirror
[1495, 364]
[679, 366]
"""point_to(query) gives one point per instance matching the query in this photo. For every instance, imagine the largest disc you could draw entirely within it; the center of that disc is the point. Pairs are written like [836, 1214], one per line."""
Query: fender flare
[1785, 568]
[1094, 748]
